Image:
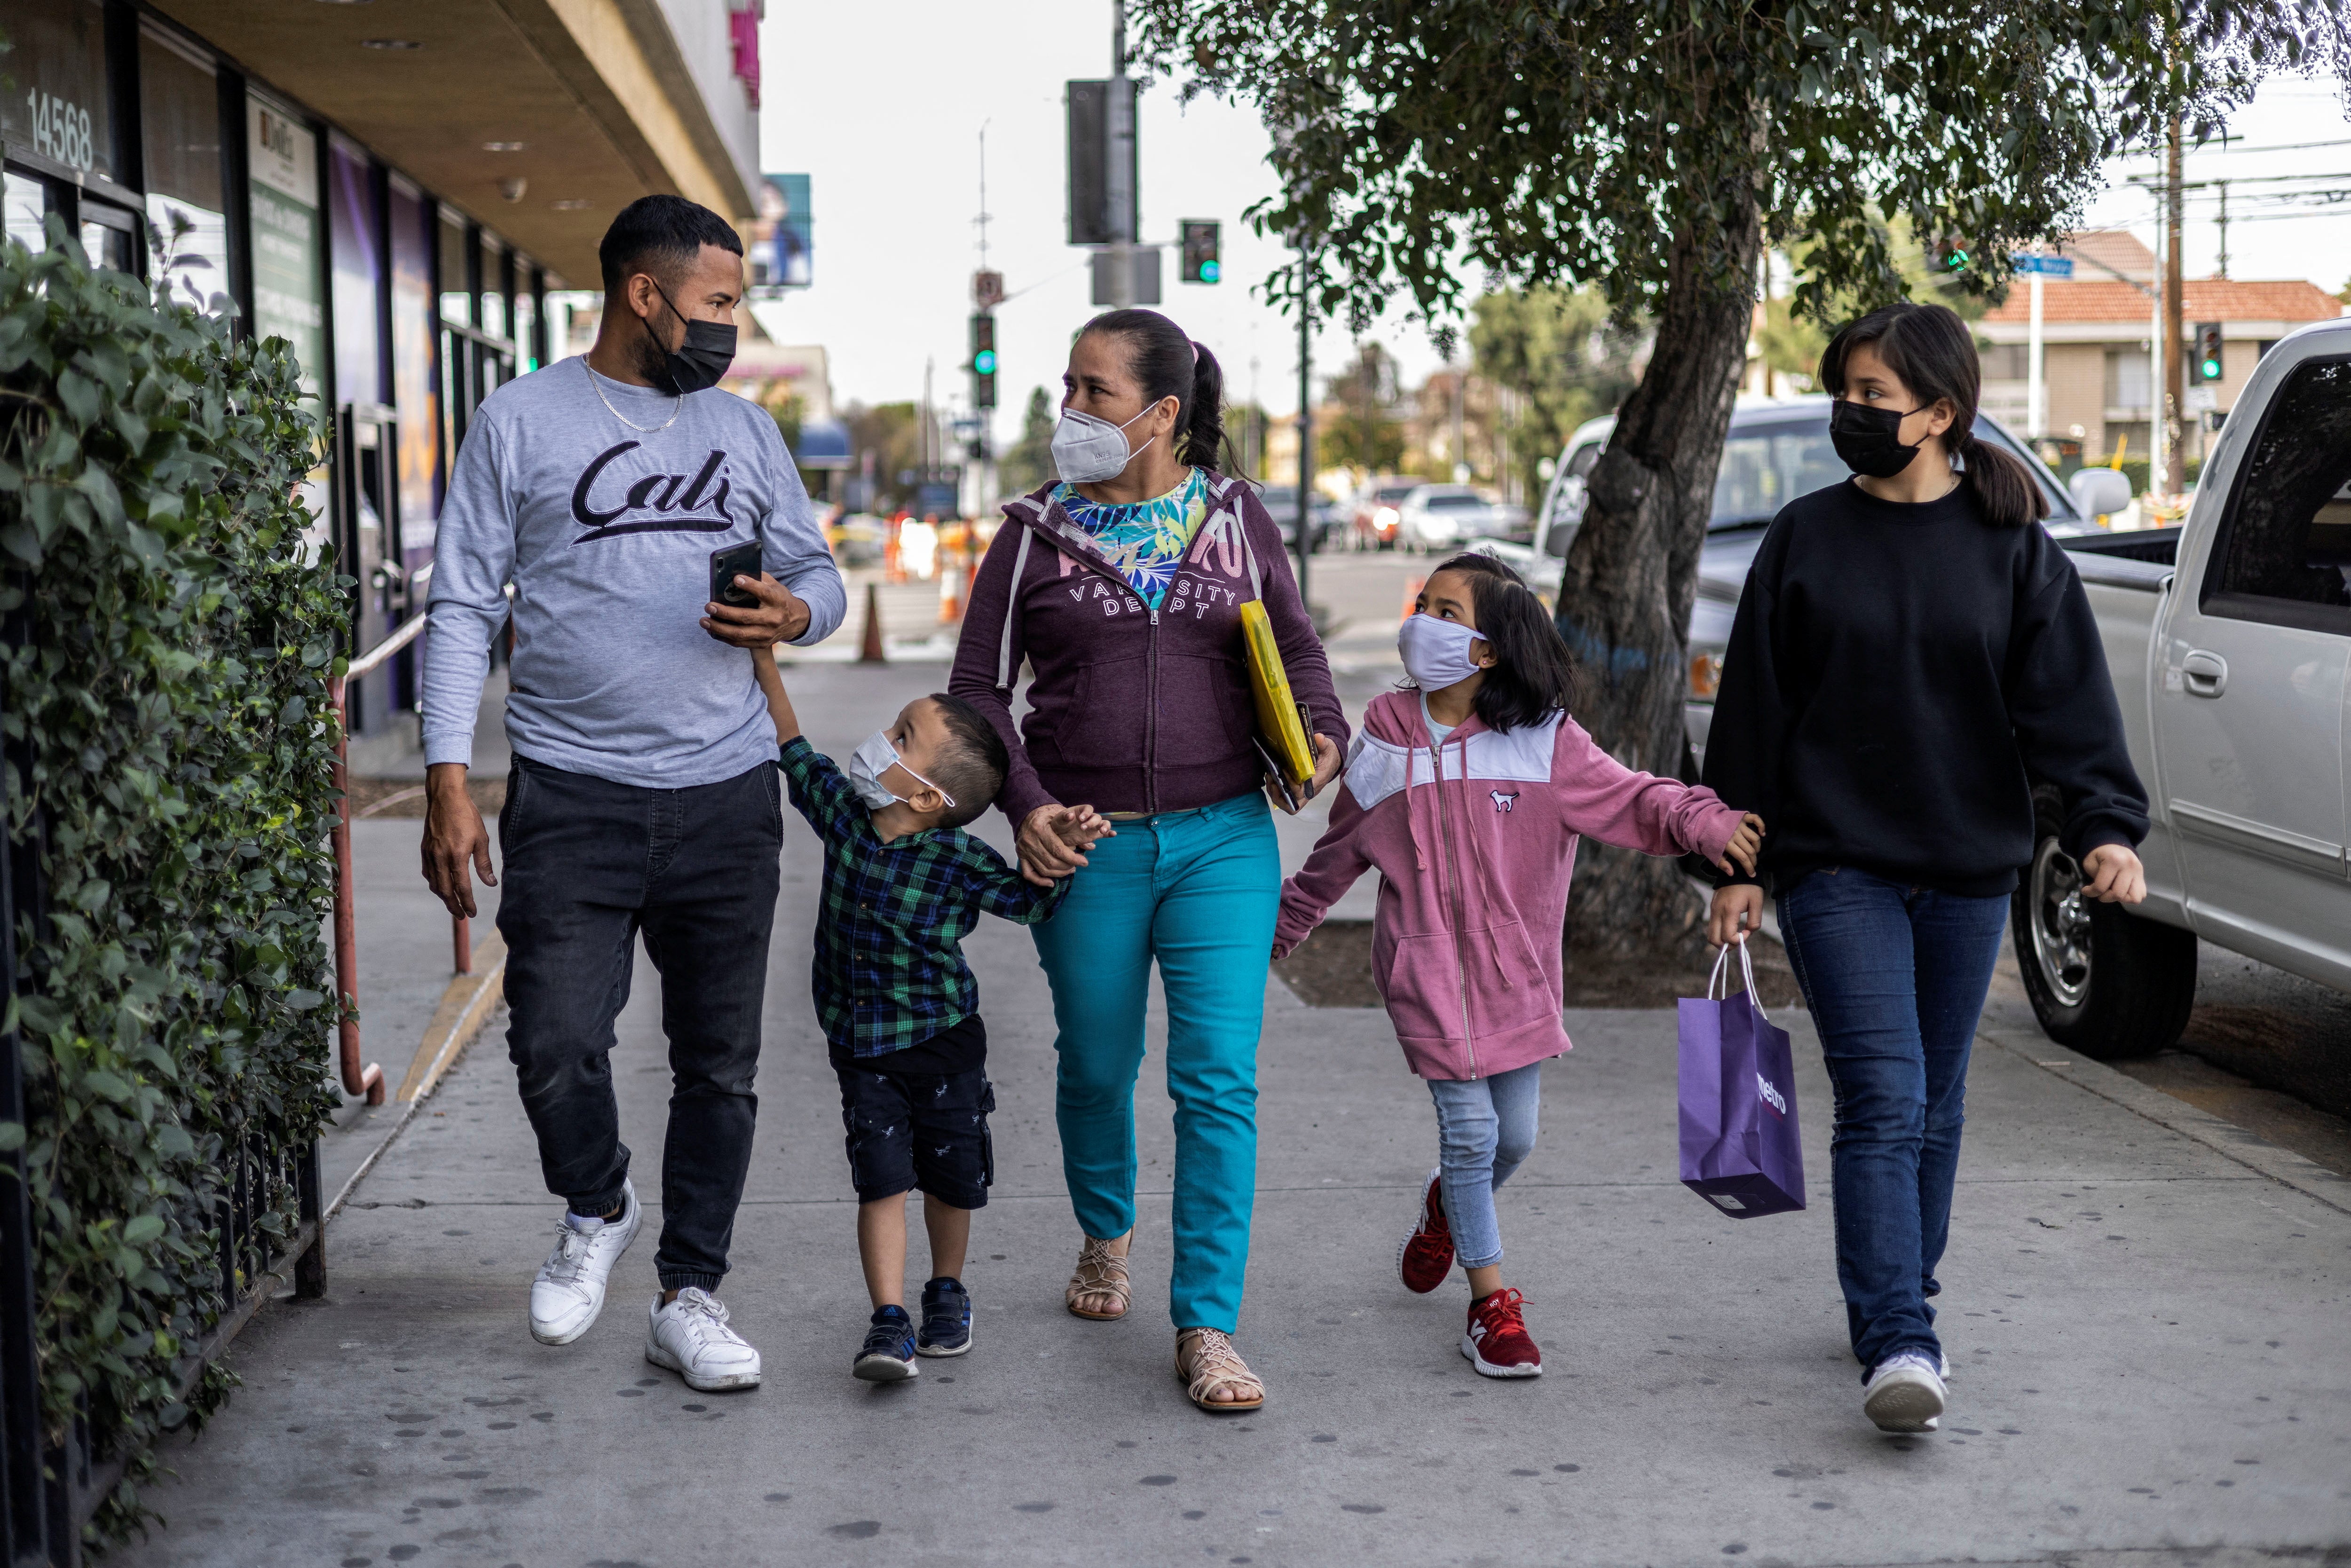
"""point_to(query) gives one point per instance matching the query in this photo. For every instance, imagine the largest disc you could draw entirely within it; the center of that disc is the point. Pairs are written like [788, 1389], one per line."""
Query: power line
[2224, 147]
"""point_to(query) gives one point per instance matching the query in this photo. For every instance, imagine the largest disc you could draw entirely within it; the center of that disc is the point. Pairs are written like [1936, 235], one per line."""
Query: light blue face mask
[874, 756]
[1436, 652]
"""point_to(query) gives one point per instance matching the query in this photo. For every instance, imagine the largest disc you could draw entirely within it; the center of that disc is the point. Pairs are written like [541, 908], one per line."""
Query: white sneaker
[570, 1289]
[1905, 1393]
[690, 1337]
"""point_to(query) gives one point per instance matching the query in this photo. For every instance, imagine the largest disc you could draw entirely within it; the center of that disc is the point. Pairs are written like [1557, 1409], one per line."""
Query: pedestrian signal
[983, 359]
[1201, 262]
[2207, 352]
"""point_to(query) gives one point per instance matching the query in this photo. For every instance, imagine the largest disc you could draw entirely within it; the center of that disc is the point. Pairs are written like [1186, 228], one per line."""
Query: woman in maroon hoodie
[1120, 587]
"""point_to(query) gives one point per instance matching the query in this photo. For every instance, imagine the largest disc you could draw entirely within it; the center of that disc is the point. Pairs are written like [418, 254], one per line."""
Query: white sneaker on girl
[1905, 1393]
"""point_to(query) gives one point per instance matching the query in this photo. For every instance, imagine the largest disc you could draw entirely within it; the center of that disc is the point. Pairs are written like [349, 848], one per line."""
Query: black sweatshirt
[1894, 675]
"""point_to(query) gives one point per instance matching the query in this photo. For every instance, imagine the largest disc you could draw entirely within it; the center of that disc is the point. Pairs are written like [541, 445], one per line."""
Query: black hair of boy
[972, 765]
[1534, 675]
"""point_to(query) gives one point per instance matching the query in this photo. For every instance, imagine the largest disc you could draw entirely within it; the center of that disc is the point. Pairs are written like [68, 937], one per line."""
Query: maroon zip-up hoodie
[1132, 709]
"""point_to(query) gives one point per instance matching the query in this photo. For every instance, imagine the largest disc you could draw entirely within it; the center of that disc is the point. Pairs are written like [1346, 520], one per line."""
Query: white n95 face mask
[1436, 652]
[1087, 451]
[874, 756]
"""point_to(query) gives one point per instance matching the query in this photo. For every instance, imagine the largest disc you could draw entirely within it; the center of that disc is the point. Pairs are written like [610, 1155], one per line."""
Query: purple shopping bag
[1741, 1149]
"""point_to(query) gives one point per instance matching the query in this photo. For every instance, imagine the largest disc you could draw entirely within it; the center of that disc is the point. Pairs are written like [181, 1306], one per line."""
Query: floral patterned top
[1146, 540]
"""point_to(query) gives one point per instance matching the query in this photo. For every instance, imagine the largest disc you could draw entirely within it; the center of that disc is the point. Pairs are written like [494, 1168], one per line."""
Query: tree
[1028, 461]
[1361, 430]
[1562, 351]
[1651, 149]
[892, 433]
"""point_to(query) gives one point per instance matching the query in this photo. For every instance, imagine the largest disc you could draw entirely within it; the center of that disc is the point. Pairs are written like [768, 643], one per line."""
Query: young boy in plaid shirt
[904, 883]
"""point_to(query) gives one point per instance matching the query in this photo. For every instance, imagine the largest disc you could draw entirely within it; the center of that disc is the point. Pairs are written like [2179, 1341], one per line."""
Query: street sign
[1101, 191]
[987, 288]
[2047, 266]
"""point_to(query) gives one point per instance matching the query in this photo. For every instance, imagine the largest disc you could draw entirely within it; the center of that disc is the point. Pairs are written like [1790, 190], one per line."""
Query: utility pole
[1461, 469]
[1121, 172]
[2036, 392]
[2174, 478]
[2224, 228]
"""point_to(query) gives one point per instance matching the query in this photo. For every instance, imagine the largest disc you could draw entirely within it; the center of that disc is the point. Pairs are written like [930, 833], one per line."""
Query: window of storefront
[179, 129]
[354, 230]
[414, 394]
[57, 120]
[289, 296]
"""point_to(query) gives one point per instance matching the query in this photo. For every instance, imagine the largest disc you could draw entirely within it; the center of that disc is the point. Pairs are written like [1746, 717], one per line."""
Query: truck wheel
[2106, 984]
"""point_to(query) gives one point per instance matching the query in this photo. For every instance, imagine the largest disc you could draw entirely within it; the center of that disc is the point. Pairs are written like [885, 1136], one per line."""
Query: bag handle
[1721, 977]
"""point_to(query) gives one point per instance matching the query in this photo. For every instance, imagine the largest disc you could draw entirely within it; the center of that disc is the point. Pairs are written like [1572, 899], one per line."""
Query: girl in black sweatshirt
[1911, 646]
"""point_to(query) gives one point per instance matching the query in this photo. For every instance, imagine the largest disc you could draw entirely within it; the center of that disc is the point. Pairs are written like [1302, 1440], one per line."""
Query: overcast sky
[882, 106]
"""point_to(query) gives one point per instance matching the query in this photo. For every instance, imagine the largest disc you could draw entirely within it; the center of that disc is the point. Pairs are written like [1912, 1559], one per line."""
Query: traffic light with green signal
[983, 359]
[1201, 263]
[2206, 364]
[1952, 256]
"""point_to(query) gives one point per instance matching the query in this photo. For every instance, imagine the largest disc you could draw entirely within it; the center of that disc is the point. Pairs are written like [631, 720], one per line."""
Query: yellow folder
[1280, 718]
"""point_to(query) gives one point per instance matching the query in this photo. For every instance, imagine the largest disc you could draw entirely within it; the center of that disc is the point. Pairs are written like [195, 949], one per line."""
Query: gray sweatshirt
[606, 532]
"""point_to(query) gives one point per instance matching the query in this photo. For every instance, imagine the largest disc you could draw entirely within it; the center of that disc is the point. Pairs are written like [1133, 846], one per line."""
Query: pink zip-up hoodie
[1475, 843]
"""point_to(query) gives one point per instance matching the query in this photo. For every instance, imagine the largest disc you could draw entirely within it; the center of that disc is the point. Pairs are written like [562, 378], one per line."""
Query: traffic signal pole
[1305, 425]
[2174, 477]
[1120, 175]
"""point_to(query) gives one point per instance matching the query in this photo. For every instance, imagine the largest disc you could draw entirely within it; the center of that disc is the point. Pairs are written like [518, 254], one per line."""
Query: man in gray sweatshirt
[644, 798]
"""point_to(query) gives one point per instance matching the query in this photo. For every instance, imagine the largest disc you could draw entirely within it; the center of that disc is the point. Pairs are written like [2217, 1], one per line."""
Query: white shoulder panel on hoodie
[1376, 768]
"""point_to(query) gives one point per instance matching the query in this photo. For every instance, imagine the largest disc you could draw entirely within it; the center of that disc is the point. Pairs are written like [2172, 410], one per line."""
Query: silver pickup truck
[2228, 639]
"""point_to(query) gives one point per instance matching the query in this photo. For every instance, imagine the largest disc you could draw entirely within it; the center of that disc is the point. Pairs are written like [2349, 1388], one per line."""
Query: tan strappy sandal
[1215, 1364]
[1100, 1272]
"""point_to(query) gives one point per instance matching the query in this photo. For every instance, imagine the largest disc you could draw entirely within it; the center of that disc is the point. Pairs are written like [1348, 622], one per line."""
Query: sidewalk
[2146, 1336]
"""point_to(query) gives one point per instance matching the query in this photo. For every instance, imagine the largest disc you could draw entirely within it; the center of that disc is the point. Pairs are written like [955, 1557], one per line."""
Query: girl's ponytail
[2004, 492]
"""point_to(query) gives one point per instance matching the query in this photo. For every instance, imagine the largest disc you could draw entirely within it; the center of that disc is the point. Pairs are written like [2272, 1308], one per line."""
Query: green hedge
[169, 642]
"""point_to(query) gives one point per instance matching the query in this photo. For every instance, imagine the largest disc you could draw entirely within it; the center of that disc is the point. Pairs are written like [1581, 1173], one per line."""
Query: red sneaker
[1496, 1342]
[1425, 1255]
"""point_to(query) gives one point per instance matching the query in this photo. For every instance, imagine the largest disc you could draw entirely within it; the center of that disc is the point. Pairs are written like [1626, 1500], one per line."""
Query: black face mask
[1869, 440]
[697, 364]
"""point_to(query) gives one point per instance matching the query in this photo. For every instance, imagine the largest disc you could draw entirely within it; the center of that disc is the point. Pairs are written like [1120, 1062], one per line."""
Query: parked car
[2227, 638]
[1282, 501]
[1440, 516]
[1373, 524]
[1777, 449]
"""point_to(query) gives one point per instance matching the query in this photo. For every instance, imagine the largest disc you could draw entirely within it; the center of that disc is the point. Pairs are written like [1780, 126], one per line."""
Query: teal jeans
[1199, 892]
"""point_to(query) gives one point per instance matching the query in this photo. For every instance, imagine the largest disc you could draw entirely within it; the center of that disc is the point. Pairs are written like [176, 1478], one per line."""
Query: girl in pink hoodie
[1466, 794]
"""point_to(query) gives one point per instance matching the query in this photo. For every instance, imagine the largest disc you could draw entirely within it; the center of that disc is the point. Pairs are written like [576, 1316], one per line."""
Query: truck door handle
[2207, 674]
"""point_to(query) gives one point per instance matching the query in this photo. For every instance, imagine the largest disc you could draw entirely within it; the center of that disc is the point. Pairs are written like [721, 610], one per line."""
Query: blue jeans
[1895, 977]
[1485, 1131]
[1196, 891]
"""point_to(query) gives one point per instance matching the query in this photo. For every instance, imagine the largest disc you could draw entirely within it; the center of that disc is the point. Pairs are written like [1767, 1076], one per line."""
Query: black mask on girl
[1869, 440]
[697, 364]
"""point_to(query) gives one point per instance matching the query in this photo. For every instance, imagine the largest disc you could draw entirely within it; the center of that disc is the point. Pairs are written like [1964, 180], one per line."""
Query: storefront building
[393, 190]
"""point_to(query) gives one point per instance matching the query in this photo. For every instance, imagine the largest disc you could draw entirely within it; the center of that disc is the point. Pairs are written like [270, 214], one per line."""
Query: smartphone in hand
[728, 563]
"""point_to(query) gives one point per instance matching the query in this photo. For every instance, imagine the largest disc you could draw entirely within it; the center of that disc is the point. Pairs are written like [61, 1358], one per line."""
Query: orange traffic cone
[1412, 586]
[871, 654]
[951, 594]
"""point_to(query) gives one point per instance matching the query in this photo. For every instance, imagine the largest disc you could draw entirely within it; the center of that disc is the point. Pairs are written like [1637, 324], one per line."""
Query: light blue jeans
[1485, 1131]
[1197, 892]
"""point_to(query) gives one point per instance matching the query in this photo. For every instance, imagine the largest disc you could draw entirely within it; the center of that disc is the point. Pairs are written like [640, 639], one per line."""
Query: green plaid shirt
[889, 970]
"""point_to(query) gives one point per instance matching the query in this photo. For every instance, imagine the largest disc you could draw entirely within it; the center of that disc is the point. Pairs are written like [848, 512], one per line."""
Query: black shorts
[919, 1130]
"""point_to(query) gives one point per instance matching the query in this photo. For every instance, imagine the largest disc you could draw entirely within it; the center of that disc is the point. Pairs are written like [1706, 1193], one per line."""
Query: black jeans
[589, 865]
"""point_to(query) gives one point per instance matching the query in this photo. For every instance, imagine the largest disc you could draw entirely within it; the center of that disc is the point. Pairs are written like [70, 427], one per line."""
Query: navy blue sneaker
[946, 1318]
[888, 1354]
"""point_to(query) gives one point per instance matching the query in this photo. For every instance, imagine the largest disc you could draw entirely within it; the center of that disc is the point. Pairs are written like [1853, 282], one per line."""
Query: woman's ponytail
[1204, 428]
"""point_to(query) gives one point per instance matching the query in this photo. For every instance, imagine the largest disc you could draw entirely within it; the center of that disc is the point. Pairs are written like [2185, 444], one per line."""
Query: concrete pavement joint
[2222, 1137]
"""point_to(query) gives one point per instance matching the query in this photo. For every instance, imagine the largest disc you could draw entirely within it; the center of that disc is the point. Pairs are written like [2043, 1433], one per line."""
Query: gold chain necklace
[598, 382]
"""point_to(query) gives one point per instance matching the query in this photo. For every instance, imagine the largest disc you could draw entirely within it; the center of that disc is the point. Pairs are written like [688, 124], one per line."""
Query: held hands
[2113, 874]
[1054, 841]
[1744, 845]
[780, 615]
[1328, 760]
